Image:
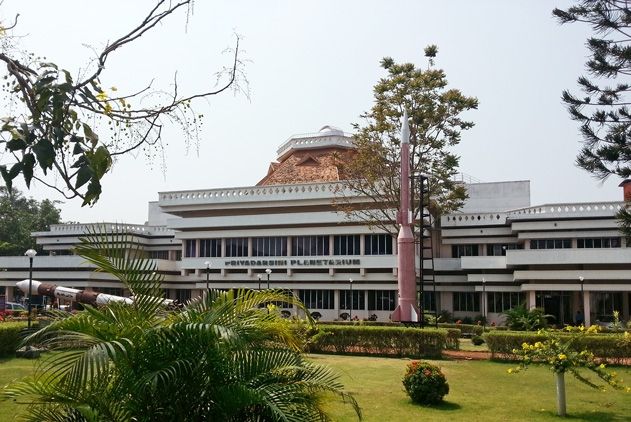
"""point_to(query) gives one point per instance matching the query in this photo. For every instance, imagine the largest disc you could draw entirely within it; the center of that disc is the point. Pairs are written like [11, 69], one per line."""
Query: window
[358, 299]
[466, 301]
[550, 244]
[378, 244]
[499, 249]
[599, 242]
[503, 301]
[464, 250]
[191, 248]
[114, 291]
[210, 247]
[317, 299]
[346, 245]
[237, 247]
[269, 246]
[429, 301]
[381, 300]
[182, 295]
[605, 304]
[159, 254]
[310, 245]
[178, 255]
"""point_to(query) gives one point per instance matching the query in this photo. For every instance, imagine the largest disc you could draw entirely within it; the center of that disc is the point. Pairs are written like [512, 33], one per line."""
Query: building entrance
[558, 305]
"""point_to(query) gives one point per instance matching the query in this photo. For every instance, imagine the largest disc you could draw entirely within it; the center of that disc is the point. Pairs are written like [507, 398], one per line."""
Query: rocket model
[406, 309]
[74, 295]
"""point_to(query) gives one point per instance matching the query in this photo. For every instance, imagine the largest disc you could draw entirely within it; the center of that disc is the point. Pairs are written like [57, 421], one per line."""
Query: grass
[10, 370]
[479, 391]
[467, 345]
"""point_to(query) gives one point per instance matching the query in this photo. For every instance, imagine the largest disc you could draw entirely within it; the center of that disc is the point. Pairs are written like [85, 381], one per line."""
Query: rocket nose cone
[23, 285]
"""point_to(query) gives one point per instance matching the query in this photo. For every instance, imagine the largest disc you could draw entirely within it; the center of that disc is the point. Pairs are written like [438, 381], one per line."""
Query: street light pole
[259, 276]
[268, 272]
[581, 279]
[31, 254]
[207, 264]
[350, 284]
[484, 300]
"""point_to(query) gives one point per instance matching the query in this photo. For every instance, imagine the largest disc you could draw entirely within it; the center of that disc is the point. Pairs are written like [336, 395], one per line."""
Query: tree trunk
[560, 378]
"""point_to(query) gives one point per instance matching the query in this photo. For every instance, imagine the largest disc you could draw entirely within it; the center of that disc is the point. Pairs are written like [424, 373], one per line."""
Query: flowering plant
[425, 383]
[560, 354]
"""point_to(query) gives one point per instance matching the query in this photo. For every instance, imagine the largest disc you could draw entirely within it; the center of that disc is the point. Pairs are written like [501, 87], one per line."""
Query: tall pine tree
[602, 109]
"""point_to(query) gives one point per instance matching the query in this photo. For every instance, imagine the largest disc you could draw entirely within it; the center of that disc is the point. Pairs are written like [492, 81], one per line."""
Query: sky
[314, 63]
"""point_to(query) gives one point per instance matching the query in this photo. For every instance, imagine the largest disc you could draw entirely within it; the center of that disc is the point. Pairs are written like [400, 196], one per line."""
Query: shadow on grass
[592, 416]
[445, 405]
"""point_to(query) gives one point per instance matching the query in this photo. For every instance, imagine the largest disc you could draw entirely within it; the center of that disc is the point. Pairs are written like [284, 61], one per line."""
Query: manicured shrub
[477, 340]
[425, 383]
[466, 330]
[379, 341]
[11, 333]
[612, 348]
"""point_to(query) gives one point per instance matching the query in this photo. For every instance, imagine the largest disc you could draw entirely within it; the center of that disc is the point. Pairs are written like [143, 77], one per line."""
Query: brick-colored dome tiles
[321, 165]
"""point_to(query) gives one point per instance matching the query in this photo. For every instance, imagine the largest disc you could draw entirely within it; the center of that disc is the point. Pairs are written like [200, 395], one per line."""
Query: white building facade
[496, 253]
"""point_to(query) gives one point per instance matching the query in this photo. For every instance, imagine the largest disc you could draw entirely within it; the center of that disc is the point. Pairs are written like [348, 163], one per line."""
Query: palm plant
[520, 318]
[223, 356]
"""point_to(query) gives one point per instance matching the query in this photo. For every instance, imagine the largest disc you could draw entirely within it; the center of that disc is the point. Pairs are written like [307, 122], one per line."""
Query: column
[625, 306]
[532, 299]
[366, 303]
[336, 301]
[446, 301]
[10, 297]
[587, 308]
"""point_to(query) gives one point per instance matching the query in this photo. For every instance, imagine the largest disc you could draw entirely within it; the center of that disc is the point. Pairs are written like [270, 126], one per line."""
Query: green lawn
[480, 391]
[11, 369]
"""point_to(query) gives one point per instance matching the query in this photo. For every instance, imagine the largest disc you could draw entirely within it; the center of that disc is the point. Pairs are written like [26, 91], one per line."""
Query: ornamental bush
[477, 340]
[425, 383]
[11, 334]
[380, 341]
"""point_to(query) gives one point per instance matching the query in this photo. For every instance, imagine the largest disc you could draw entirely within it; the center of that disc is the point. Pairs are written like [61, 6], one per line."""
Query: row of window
[499, 249]
[374, 244]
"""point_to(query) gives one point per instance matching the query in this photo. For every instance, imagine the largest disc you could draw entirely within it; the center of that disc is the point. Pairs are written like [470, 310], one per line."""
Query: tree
[563, 354]
[435, 126]
[19, 217]
[221, 357]
[75, 126]
[603, 112]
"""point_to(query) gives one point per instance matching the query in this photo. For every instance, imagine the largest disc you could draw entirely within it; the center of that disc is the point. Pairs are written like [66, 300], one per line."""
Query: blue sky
[314, 63]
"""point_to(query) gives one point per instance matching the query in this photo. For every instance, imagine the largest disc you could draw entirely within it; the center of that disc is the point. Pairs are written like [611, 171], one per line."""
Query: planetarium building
[285, 232]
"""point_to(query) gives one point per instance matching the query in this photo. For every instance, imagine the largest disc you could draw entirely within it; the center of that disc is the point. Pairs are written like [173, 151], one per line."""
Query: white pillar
[586, 308]
[532, 299]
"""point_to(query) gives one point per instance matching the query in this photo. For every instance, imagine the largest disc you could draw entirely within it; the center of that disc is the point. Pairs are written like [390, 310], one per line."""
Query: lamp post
[259, 276]
[581, 279]
[350, 284]
[268, 272]
[207, 264]
[484, 308]
[31, 254]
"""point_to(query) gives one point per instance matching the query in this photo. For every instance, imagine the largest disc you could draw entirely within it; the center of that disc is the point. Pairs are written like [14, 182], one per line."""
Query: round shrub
[425, 383]
[477, 340]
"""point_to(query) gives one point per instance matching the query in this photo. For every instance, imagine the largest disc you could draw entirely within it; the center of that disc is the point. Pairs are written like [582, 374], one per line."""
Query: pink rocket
[406, 309]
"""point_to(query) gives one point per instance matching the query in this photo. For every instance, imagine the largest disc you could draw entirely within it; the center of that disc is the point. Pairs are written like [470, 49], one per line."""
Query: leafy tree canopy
[65, 130]
[19, 216]
[602, 110]
[436, 122]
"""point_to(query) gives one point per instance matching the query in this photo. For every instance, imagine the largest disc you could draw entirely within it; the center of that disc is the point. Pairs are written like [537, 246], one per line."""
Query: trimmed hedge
[611, 348]
[467, 330]
[11, 333]
[379, 341]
